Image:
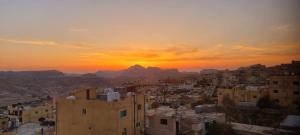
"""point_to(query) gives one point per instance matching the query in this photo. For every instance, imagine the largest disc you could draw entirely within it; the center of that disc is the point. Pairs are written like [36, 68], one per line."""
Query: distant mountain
[36, 74]
[108, 74]
[138, 71]
[27, 86]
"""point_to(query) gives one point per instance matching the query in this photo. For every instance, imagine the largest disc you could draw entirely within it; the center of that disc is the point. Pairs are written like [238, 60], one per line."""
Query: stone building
[285, 90]
[241, 96]
[98, 111]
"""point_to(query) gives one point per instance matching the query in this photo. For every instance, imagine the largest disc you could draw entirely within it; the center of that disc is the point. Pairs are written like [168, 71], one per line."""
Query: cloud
[80, 45]
[30, 42]
[181, 50]
[282, 28]
[247, 48]
[134, 54]
[283, 49]
[167, 54]
[79, 29]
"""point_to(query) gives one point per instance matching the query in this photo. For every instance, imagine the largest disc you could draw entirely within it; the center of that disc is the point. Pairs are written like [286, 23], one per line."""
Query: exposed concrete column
[197, 128]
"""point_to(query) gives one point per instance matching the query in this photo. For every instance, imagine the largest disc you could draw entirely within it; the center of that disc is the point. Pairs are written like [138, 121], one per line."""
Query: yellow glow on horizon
[73, 59]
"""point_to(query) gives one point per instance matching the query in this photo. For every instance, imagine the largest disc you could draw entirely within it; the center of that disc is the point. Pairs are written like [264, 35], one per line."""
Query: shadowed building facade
[285, 90]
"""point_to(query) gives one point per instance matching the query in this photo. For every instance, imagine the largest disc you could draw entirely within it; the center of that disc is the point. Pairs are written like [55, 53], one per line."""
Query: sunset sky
[91, 35]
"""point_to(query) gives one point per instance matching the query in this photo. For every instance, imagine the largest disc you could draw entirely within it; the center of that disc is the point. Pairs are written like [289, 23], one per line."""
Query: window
[36, 112]
[276, 100]
[123, 113]
[254, 96]
[164, 121]
[138, 124]
[295, 83]
[206, 125]
[296, 102]
[83, 112]
[46, 110]
[275, 82]
[296, 92]
[88, 94]
[275, 91]
[139, 107]
[124, 131]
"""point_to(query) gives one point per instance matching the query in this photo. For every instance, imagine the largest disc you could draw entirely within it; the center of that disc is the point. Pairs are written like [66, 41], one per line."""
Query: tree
[265, 102]
[220, 129]
[227, 101]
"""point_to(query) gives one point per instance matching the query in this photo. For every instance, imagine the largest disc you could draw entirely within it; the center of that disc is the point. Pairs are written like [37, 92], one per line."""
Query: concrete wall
[239, 95]
[101, 117]
[283, 89]
[156, 128]
[33, 114]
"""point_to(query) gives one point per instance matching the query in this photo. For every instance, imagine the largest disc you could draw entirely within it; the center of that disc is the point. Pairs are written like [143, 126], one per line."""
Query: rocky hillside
[30, 85]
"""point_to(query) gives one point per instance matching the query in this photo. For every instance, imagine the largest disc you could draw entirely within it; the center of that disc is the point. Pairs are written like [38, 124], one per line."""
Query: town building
[285, 90]
[4, 123]
[100, 111]
[34, 114]
[168, 121]
[247, 96]
[30, 113]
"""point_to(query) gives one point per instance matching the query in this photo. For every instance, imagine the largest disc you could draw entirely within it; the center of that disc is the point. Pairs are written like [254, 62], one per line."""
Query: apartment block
[100, 111]
[285, 90]
[241, 96]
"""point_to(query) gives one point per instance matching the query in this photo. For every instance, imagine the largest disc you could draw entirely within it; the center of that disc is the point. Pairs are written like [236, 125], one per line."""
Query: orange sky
[111, 35]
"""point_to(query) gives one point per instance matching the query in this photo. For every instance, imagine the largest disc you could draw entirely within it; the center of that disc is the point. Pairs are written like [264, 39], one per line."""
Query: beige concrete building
[161, 121]
[33, 114]
[241, 96]
[3, 122]
[167, 121]
[285, 90]
[98, 111]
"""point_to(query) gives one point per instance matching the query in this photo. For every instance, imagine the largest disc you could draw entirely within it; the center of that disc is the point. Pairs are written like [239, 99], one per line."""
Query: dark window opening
[164, 121]
[139, 107]
[276, 100]
[177, 128]
[275, 82]
[124, 131]
[275, 91]
[295, 83]
[46, 110]
[296, 92]
[123, 113]
[36, 112]
[254, 96]
[83, 112]
[88, 94]
[206, 125]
